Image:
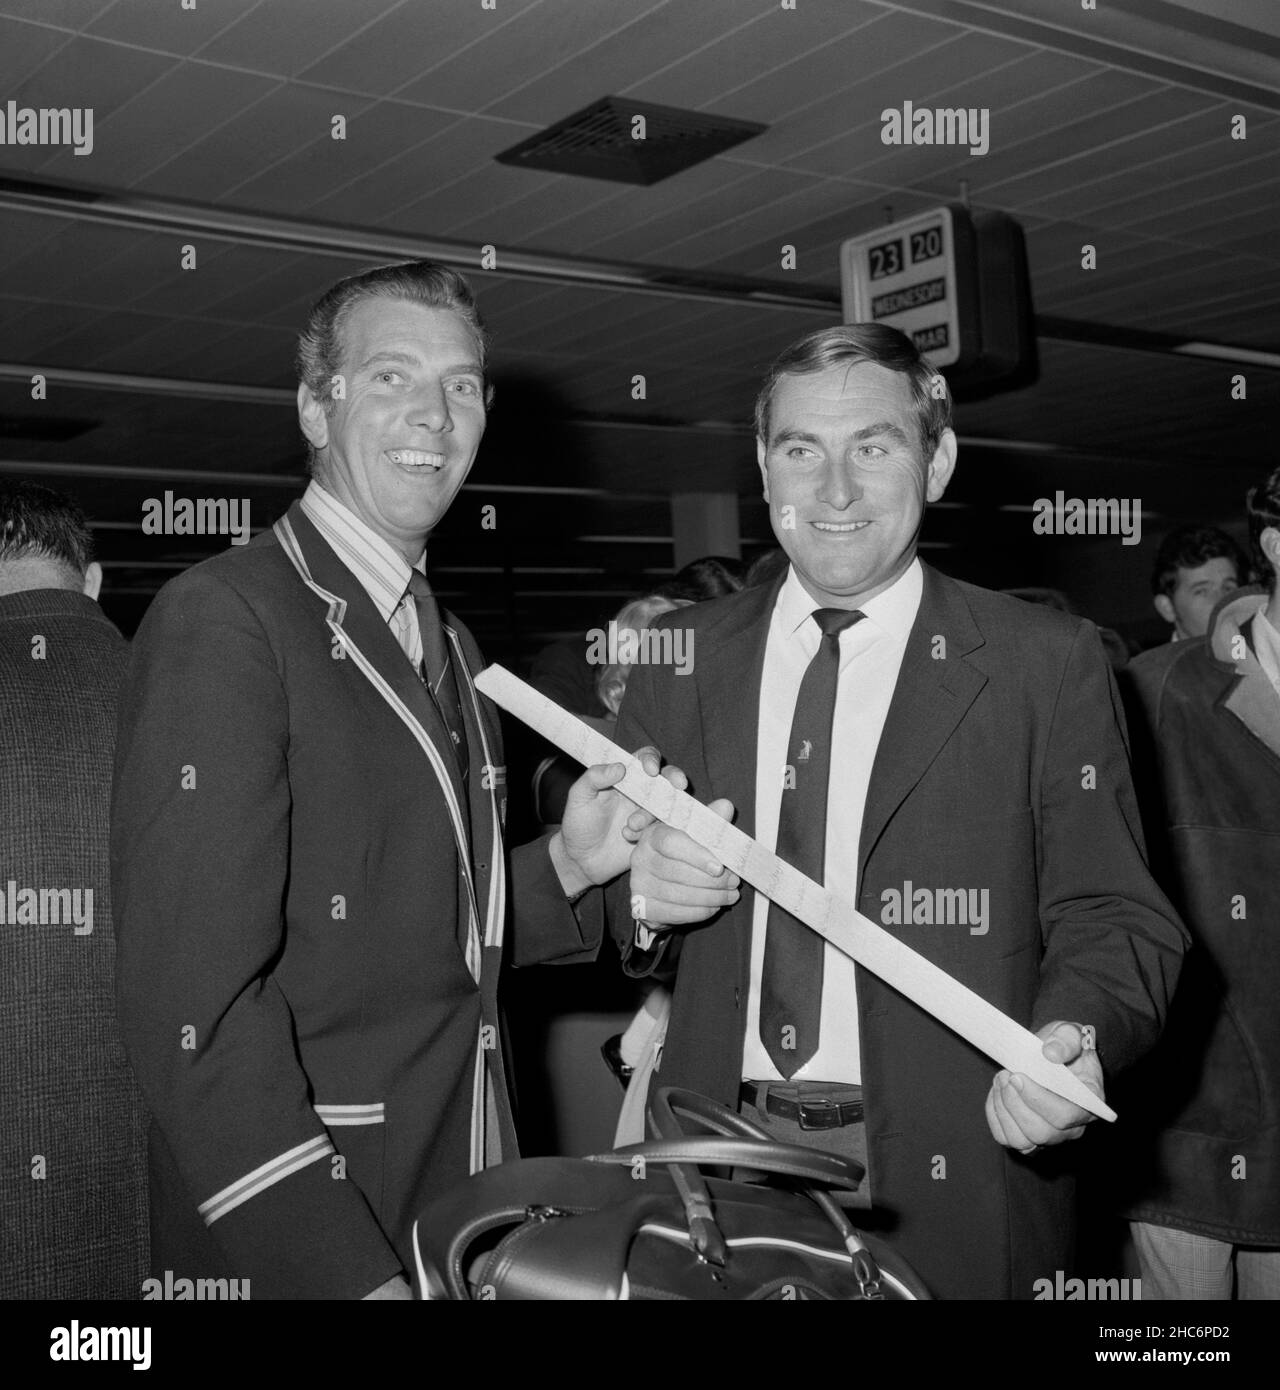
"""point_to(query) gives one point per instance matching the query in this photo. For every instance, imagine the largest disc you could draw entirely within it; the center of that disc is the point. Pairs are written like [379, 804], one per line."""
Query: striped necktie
[437, 669]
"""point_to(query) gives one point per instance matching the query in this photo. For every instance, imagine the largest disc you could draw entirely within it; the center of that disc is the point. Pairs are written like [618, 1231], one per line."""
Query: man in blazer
[307, 839]
[977, 803]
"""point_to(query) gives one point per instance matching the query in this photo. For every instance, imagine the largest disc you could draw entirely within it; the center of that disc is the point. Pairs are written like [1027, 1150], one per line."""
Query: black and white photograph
[639, 661]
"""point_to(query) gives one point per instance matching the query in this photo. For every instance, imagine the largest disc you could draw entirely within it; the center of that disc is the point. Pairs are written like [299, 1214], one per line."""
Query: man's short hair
[850, 344]
[318, 358]
[1262, 506]
[1188, 547]
[41, 523]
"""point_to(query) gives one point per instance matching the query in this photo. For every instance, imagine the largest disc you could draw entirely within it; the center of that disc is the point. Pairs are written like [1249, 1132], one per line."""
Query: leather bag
[643, 1222]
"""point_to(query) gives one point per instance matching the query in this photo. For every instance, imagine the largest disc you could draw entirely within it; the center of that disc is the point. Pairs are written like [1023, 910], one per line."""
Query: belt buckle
[828, 1114]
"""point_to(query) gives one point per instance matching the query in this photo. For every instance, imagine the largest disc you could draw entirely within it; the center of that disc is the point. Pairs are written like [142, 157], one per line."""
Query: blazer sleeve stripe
[262, 1178]
[372, 1114]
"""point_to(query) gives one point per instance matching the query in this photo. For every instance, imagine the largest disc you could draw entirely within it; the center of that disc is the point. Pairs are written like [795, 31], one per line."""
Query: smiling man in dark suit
[924, 743]
[307, 838]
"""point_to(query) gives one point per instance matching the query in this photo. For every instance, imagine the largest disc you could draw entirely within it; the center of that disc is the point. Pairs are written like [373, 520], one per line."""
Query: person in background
[562, 670]
[766, 567]
[632, 1054]
[1204, 1165]
[557, 772]
[713, 576]
[73, 1196]
[1196, 566]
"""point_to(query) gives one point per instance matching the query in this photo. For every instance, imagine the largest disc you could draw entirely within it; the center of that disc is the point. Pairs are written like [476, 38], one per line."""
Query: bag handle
[767, 1156]
[669, 1102]
[740, 1144]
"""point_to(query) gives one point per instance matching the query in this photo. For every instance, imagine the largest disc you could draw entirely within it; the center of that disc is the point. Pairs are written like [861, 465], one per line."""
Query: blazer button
[737, 1000]
[484, 868]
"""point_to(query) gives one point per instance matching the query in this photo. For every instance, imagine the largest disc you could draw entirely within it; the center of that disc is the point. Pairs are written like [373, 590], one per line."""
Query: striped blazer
[311, 923]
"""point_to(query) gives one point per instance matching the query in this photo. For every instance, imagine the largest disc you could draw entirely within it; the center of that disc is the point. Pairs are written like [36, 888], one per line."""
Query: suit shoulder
[1164, 667]
[248, 571]
[237, 581]
[1018, 616]
[709, 614]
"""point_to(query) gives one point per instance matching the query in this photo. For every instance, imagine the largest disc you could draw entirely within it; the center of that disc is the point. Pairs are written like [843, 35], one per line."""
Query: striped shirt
[382, 571]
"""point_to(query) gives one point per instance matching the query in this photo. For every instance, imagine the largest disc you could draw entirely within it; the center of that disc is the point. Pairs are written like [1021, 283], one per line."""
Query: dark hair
[40, 523]
[318, 357]
[767, 566]
[1262, 506]
[1189, 546]
[849, 344]
[712, 576]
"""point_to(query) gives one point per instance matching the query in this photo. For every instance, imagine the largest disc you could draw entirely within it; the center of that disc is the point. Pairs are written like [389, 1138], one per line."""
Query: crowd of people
[256, 899]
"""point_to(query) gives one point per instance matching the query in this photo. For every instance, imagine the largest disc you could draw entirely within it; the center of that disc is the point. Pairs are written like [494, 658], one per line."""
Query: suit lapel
[729, 670]
[935, 688]
[366, 626]
[367, 640]
[1251, 697]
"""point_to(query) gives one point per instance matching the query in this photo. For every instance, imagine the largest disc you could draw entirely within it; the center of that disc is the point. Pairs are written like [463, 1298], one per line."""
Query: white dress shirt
[870, 659]
[382, 571]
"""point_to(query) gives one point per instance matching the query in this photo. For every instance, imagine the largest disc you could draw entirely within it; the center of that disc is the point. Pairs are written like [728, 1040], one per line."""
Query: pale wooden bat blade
[956, 1005]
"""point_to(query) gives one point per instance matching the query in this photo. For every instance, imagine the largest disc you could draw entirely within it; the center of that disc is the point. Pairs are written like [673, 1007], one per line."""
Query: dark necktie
[437, 669]
[791, 983]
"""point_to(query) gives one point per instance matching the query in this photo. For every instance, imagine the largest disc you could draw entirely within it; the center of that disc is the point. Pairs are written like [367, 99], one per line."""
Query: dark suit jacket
[79, 1231]
[1207, 1155]
[294, 991]
[982, 780]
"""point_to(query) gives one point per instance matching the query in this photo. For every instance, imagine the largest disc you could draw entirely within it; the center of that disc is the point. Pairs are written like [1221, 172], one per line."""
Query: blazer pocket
[359, 1135]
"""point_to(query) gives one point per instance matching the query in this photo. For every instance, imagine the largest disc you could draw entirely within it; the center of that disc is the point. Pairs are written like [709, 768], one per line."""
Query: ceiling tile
[312, 175]
[90, 73]
[282, 37]
[172, 27]
[1147, 159]
[67, 14]
[410, 40]
[857, 143]
[622, 61]
[287, 119]
[501, 49]
[584, 231]
[23, 49]
[1073, 128]
[779, 46]
[158, 125]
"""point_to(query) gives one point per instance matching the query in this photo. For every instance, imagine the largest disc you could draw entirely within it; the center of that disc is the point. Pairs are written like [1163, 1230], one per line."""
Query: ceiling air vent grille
[629, 141]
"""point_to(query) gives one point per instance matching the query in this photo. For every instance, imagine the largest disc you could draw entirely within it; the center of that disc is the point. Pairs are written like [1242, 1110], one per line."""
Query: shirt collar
[1266, 641]
[894, 610]
[382, 571]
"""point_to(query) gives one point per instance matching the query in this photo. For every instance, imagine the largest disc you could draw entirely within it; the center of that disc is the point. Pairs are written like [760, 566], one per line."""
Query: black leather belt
[808, 1114]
